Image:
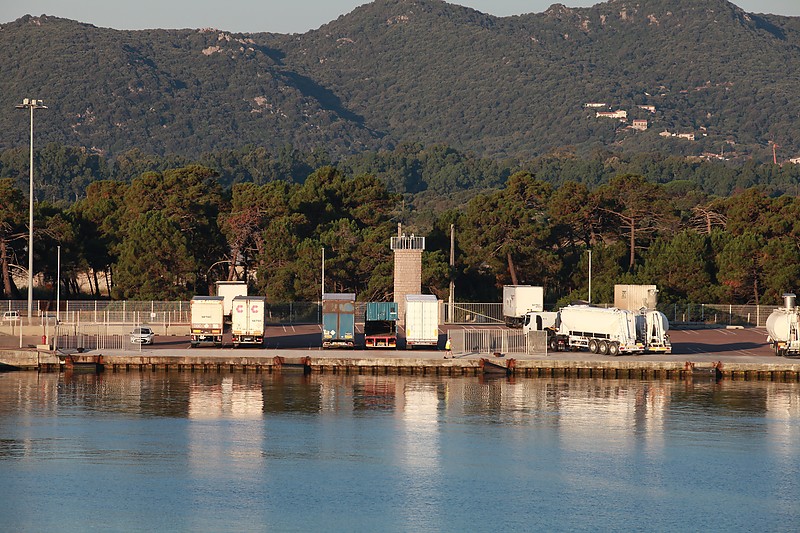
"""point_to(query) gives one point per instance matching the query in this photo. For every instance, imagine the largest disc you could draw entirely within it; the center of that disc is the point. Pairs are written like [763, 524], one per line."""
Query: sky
[278, 16]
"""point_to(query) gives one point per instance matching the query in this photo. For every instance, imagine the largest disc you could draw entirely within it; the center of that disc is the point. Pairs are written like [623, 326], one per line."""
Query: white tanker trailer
[654, 328]
[600, 330]
[782, 328]
[610, 331]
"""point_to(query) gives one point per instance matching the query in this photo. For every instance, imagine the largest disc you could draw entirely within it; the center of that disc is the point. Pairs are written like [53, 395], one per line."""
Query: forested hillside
[423, 71]
[171, 234]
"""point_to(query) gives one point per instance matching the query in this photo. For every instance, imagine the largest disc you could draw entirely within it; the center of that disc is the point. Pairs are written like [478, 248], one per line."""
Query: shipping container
[380, 325]
[422, 320]
[338, 320]
[635, 297]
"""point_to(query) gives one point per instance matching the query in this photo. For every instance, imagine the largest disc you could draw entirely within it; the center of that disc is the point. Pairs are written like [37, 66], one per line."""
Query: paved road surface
[686, 343]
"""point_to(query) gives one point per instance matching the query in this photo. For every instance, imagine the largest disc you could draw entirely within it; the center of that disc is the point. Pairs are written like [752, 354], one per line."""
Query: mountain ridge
[395, 71]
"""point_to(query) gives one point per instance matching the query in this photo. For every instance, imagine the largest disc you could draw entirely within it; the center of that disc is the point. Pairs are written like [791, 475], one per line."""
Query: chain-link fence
[734, 315]
[178, 312]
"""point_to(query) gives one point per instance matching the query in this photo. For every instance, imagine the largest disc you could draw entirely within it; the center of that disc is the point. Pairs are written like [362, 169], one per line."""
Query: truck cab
[539, 321]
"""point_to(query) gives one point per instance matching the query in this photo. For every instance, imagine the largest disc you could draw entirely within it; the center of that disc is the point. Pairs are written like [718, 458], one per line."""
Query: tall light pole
[590, 275]
[30, 103]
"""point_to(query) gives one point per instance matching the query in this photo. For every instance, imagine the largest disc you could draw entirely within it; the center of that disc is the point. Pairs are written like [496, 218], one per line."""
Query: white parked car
[142, 335]
[10, 316]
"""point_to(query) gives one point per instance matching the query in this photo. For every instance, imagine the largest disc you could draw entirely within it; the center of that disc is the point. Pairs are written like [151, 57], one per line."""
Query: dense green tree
[640, 207]
[192, 199]
[682, 267]
[740, 263]
[98, 219]
[12, 213]
[510, 228]
[155, 261]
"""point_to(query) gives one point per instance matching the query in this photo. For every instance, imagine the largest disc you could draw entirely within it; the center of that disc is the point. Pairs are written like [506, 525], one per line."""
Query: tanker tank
[782, 328]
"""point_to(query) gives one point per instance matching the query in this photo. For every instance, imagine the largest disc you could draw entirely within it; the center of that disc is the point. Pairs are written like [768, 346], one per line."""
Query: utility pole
[30, 103]
[452, 266]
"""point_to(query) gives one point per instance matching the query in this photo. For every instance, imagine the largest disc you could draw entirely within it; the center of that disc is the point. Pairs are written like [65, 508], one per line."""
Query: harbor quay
[697, 354]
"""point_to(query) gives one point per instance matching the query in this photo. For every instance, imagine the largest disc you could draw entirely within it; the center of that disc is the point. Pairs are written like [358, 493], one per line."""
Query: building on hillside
[595, 104]
[639, 124]
[650, 108]
[687, 136]
[619, 114]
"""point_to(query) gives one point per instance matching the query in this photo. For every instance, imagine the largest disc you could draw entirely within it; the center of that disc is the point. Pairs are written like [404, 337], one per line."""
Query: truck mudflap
[380, 341]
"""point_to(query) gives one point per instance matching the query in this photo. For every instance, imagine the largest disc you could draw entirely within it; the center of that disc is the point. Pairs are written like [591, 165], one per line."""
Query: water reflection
[629, 406]
[182, 451]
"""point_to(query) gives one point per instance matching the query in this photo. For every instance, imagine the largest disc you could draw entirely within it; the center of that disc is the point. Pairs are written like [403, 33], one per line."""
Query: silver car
[142, 335]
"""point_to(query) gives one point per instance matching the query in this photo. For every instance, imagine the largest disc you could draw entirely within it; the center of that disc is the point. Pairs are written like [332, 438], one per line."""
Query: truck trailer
[248, 320]
[600, 330]
[206, 320]
[338, 320]
[422, 320]
[518, 300]
[230, 290]
[782, 328]
[654, 330]
[380, 325]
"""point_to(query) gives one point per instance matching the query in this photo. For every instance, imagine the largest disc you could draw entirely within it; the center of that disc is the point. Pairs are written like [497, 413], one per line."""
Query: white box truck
[422, 320]
[230, 290]
[248, 320]
[519, 300]
[206, 320]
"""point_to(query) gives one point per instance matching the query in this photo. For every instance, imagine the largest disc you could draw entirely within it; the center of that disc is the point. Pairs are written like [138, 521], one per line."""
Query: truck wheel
[553, 344]
[602, 348]
[593, 346]
[613, 349]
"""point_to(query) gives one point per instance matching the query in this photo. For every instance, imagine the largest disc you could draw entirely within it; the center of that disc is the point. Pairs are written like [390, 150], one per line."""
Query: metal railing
[498, 341]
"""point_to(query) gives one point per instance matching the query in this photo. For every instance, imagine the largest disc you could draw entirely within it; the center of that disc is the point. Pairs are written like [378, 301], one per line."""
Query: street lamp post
[30, 103]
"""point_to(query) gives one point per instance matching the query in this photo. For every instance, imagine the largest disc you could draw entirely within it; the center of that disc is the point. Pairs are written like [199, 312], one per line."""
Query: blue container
[381, 311]
[338, 320]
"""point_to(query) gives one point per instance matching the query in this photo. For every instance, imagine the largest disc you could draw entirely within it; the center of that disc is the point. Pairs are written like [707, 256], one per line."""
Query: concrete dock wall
[343, 361]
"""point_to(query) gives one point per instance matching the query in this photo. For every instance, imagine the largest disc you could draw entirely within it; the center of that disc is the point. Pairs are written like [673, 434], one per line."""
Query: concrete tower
[407, 268]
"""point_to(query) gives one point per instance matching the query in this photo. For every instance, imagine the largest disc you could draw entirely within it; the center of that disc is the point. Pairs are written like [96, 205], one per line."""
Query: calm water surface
[259, 452]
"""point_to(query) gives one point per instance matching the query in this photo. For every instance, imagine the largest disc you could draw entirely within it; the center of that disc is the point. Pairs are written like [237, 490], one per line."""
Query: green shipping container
[381, 311]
